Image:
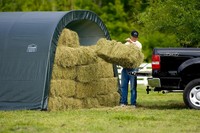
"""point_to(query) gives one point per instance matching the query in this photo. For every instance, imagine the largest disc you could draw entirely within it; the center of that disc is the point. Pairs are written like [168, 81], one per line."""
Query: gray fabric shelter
[28, 42]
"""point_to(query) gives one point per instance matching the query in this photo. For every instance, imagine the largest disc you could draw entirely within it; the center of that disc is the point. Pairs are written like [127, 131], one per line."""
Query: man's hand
[129, 40]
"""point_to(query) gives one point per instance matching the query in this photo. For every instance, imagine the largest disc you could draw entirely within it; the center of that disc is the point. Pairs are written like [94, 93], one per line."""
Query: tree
[156, 40]
[113, 15]
[24, 5]
[119, 16]
[174, 17]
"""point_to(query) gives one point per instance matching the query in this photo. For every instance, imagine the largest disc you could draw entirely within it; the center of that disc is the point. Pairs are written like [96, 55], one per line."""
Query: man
[126, 75]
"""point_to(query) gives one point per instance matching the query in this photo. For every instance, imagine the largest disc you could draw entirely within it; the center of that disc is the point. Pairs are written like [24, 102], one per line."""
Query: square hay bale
[62, 88]
[72, 103]
[70, 57]
[90, 102]
[85, 90]
[127, 56]
[95, 88]
[55, 104]
[63, 73]
[87, 73]
[116, 98]
[66, 57]
[86, 55]
[111, 99]
[68, 38]
[107, 85]
[63, 103]
[104, 69]
[93, 72]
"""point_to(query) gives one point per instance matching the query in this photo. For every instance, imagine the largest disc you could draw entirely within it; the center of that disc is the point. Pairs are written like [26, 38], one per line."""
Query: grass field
[156, 113]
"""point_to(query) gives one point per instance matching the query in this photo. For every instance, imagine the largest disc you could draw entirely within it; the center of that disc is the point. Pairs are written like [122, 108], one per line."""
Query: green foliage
[174, 17]
[24, 5]
[156, 40]
[113, 15]
[156, 20]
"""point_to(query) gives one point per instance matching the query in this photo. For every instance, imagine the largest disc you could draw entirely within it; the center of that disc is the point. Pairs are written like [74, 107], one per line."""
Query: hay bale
[95, 88]
[107, 85]
[91, 102]
[85, 90]
[72, 103]
[116, 98]
[86, 56]
[62, 88]
[55, 104]
[93, 72]
[63, 103]
[93, 47]
[87, 73]
[66, 56]
[59, 72]
[70, 57]
[104, 69]
[127, 56]
[111, 99]
[68, 38]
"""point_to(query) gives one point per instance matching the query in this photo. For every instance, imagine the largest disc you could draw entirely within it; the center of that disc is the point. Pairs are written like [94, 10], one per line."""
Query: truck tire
[191, 94]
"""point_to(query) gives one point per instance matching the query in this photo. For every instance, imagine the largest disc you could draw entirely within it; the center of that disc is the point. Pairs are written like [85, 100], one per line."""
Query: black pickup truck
[177, 69]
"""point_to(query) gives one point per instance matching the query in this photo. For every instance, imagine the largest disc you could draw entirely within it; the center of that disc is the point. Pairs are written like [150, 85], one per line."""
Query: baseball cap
[134, 33]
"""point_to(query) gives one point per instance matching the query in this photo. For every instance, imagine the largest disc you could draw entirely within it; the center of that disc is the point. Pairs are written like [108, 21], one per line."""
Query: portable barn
[28, 43]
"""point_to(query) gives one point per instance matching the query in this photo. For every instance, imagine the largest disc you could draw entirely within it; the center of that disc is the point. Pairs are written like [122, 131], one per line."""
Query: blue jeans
[125, 78]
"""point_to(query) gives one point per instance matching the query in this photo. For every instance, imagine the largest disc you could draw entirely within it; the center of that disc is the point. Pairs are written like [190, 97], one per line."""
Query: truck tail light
[156, 62]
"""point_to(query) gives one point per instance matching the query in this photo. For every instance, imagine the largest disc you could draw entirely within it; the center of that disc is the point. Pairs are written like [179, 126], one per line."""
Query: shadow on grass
[164, 105]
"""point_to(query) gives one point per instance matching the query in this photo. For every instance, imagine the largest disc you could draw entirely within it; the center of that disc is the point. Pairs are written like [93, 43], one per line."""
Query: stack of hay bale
[80, 79]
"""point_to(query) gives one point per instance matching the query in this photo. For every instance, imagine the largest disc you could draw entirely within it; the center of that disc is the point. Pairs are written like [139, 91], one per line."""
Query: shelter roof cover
[28, 42]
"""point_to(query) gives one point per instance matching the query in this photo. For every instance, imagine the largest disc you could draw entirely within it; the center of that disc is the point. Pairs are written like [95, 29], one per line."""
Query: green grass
[156, 113]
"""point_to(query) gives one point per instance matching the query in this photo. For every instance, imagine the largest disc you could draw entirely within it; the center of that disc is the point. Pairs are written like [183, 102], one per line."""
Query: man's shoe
[123, 105]
[133, 106]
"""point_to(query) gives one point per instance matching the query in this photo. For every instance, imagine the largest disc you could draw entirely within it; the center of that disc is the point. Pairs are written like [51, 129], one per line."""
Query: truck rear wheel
[191, 94]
